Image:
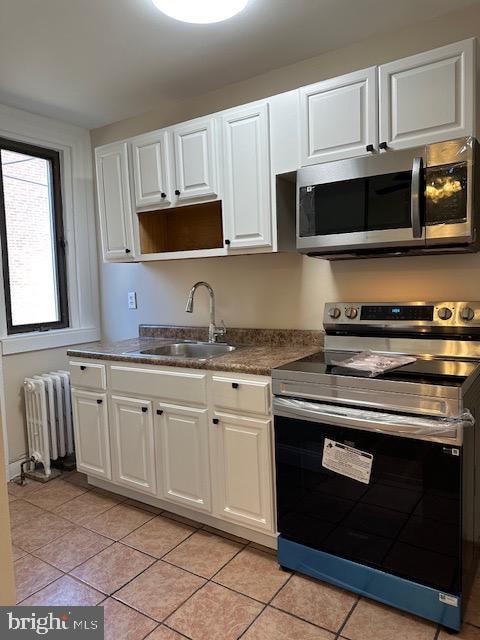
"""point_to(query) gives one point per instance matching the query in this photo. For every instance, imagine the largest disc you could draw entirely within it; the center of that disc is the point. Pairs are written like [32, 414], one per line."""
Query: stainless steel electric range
[376, 484]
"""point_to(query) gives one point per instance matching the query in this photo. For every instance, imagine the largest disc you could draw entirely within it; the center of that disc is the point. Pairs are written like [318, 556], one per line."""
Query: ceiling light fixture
[200, 11]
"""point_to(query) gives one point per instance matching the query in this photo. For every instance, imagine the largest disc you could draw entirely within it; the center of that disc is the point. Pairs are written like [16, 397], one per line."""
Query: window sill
[39, 340]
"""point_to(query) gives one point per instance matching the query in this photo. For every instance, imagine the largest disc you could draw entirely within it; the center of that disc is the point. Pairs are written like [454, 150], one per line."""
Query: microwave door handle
[416, 195]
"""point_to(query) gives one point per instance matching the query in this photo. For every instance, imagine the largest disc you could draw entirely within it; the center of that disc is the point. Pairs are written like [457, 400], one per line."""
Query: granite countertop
[258, 350]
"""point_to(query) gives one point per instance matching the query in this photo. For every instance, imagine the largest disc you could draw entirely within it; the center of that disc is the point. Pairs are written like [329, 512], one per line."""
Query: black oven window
[405, 521]
[389, 198]
[351, 206]
[337, 207]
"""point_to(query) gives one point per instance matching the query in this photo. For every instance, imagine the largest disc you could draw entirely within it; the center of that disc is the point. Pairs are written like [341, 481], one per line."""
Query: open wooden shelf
[197, 226]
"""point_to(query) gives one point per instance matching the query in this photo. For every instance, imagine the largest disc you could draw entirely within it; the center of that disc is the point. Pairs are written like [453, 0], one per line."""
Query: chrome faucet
[213, 331]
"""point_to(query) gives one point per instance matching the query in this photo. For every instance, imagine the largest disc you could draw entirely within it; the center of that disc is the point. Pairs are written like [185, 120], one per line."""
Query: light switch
[132, 299]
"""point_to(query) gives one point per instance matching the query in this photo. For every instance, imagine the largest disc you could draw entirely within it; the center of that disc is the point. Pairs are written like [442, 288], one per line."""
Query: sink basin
[198, 350]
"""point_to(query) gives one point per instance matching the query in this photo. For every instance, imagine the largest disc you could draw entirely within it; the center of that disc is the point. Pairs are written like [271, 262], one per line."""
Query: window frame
[54, 157]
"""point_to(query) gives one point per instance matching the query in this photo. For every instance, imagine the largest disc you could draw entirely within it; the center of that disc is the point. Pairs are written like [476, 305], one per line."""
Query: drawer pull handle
[159, 412]
[82, 367]
[99, 401]
[235, 385]
[215, 420]
[144, 409]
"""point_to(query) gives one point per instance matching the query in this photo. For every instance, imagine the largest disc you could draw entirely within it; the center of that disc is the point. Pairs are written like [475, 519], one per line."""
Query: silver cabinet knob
[334, 313]
[351, 312]
[444, 313]
[467, 314]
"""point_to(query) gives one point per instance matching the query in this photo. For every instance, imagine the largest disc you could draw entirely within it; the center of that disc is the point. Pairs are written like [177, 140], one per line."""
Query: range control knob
[351, 312]
[334, 313]
[467, 314]
[444, 313]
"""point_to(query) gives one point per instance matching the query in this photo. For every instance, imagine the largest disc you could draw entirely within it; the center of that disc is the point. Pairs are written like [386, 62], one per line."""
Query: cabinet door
[114, 202]
[133, 448]
[338, 117]
[182, 446]
[151, 170]
[244, 470]
[428, 97]
[92, 445]
[284, 116]
[247, 175]
[195, 160]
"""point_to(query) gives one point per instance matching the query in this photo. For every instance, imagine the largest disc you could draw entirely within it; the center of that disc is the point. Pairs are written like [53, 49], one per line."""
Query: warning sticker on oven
[347, 461]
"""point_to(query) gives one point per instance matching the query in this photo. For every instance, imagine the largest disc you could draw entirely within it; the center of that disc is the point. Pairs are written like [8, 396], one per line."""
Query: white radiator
[48, 408]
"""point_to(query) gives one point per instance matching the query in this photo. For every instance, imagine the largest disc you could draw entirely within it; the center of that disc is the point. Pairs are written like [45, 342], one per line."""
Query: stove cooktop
[424, 370]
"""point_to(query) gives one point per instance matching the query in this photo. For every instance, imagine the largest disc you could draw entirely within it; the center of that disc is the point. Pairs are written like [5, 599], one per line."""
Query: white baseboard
[14, 469]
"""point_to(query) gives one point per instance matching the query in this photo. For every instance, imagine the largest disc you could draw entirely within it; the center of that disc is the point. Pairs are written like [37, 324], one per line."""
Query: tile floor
[163, 577]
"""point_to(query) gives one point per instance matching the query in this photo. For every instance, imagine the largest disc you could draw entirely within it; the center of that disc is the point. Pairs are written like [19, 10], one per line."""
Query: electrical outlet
[132, 299]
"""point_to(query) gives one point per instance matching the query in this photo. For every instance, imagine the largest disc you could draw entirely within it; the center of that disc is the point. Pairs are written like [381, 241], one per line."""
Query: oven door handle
[449, 430]
[416, 196]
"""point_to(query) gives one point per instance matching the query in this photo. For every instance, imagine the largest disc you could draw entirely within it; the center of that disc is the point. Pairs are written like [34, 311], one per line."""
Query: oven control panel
[402, 314]
[397, 312]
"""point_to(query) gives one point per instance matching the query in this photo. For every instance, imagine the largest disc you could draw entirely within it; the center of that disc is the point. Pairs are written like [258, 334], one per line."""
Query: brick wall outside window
[29, 238]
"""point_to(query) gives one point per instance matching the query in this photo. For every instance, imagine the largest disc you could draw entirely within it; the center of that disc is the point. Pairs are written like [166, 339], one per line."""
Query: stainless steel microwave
[421, 200]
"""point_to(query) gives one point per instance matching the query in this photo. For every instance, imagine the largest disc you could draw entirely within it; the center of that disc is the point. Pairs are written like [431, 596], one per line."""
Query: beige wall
[286, 290]
[7, 587]
[376, 50]
[15, 369]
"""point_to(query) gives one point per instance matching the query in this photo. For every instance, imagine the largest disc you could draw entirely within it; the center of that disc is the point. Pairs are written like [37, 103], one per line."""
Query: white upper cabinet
[114, 202]
[242, 156]
[195, 160]
[247, 177]
[151, 170]
[338, 117]
[133, 448]
[284, 117]
[428, 97]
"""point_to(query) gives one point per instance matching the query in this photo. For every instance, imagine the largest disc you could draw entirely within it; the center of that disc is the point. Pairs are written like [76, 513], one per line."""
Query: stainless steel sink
[197, 350]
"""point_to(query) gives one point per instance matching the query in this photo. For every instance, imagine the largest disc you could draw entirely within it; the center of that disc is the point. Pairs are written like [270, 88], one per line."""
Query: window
[33, 246]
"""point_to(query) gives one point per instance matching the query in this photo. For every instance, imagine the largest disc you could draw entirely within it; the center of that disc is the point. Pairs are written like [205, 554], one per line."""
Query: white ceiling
[93, 62]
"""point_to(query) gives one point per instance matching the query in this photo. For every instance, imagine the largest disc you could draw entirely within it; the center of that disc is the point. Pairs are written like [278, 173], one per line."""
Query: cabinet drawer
[88, 375]
[242, 395]
[169, 385]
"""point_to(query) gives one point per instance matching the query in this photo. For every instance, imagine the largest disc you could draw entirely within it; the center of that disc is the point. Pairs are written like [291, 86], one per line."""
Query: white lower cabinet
[184, 464]
[243, 464]
[92, 445]
[133, 448]
[200, 440]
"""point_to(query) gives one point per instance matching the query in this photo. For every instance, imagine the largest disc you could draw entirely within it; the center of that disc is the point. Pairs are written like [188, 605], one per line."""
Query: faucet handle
[220, 330]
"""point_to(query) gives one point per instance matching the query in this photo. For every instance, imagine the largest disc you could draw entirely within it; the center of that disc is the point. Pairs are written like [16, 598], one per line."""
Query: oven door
[389, 502]
[362, 204]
